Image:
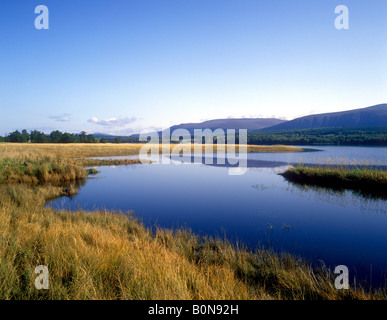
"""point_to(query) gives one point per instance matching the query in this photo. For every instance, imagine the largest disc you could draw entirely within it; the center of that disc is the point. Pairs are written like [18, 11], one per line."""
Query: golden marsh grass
[80, 150]
[355, 176]
[110, 255]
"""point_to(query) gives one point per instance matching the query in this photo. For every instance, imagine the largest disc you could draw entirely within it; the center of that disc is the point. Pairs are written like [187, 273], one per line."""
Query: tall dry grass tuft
[34, 169]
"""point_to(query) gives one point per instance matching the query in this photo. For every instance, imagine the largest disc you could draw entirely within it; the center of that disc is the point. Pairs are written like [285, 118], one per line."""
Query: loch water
[258, 209]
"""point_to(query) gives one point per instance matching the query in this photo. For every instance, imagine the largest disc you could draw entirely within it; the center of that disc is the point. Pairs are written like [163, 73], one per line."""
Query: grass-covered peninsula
[366, 181]
[111, 255]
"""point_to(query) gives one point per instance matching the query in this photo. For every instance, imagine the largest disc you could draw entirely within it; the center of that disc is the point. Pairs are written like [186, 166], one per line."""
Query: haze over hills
[243, 123]
[102, 135]
[375, 116]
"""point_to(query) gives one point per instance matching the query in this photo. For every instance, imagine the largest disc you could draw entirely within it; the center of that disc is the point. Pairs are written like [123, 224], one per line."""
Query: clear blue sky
[123, 65]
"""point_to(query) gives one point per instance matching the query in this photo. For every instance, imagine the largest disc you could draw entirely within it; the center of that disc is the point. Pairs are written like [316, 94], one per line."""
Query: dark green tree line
[57, 136]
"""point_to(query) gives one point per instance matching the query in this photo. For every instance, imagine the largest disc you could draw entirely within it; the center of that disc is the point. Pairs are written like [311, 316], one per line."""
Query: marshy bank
[111, 255]
[366, 181]
[82, 150]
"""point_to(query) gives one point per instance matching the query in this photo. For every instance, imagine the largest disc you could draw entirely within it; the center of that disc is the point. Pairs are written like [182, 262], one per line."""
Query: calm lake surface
[258, 209]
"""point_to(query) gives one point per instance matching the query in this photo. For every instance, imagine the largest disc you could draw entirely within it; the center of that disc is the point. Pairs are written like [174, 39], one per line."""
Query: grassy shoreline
[366, 181]
[80, 150]
[61, 163]
[111, 255]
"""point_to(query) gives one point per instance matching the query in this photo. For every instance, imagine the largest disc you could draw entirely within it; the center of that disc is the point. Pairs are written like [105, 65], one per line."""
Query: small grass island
[365, 180]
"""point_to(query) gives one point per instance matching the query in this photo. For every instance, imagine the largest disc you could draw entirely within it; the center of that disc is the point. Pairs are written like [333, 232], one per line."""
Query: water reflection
[340, 197]
[259, 208]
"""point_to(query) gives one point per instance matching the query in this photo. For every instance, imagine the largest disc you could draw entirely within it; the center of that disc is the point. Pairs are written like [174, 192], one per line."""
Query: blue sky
[121, 66]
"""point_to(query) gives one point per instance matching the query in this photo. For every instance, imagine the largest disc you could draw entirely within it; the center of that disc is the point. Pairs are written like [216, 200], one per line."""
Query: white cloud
[256, 116]
[112, 122]
[132, 130]
[62, 118]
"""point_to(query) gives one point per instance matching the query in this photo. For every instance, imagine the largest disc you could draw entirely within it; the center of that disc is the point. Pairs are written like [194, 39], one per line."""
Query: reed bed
[58, 163]
[35, 169]
[87, 162]
[363, 177]
[80, 150]
[110, 255]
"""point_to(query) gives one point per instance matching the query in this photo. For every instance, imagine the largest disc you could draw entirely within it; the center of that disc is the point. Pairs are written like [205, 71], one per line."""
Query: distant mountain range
[244, 123]
[375, 116]
[100, 135]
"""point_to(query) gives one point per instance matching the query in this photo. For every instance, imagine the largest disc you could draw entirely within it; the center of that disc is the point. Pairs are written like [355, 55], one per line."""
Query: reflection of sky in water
[325, 155]
[258, 208]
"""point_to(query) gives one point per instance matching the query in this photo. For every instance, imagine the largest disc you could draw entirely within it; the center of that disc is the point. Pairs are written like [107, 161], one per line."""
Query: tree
[36, 136]
[15, 136]
[103, 140]
[67, 138]
[25, 136]
[39, 137]
[90, 139]
[117, 140]
[56, 136]
[83, 138]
